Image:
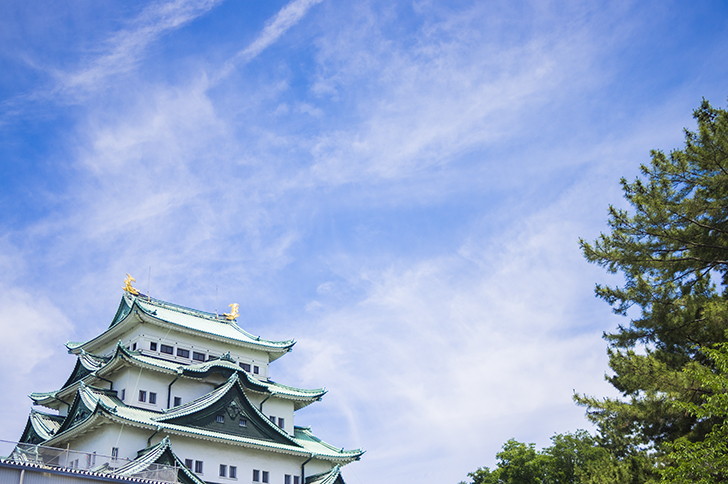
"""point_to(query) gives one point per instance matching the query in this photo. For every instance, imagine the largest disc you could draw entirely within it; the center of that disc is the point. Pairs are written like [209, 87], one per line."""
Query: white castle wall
[130, 439]
[129, 381]
[140, 337]
[213, 454]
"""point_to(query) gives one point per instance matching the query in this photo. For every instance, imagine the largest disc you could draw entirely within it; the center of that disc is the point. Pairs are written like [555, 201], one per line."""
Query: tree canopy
[670, 362]
[672, 251]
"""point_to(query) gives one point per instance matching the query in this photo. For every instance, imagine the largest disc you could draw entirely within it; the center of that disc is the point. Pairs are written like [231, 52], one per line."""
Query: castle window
[177, 401]
[256, 370]
[243, 422]
[142, 395]
[233, 474]
[296, 479]
[221, 419]
[153, 346]
[287, 479]
[256, 475]
[223, 470]
[281, 422]
[198, 356]
[123, 393]
[198, 467]
[188, 463]
[265, 476]
[133, 347]
[167, 349]
[152, 397]
[114, 453]
[245, 367]
[183, 353]
[272, 419]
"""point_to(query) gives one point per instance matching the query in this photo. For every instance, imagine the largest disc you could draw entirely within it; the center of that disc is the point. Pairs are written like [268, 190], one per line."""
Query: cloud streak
[401, 191]
[286, 18]
[125, 48]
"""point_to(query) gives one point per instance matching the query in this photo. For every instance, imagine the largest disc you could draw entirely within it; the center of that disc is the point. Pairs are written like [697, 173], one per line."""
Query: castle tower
[165, 384]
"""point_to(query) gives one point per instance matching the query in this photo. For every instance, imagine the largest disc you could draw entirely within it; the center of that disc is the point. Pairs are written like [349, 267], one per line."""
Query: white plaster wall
[128, 439]
[213, 454]
[144, 334]
[134, 379]
[188, 390]
[280, 409]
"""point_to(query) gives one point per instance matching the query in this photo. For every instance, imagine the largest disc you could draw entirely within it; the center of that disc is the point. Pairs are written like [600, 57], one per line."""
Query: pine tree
[672, 250]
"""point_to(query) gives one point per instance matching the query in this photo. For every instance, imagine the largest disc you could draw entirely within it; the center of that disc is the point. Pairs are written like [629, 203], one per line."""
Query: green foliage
[573, 458]
[673, 253]
[704, 461]
[672, 250]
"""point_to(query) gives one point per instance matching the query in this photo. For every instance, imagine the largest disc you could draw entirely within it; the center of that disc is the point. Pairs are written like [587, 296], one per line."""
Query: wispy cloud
[461, 351]
[123, 50]
[286, 18]
[374, 191]
[430, 101]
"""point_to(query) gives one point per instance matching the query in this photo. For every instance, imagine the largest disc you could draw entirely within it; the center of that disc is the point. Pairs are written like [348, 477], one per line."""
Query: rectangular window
[166, 349]
[114, 453]
[296, 479]
[153, 346]
[142, 395]
[265, 476]
[281, 422]
[188, 463]
[198, 356]
[198, 467]
[243, 422]
[272, 419]
[256, 370]
[221, 419]
[223, 470]
[256, 475]
[133, 346]
[183, 353]
[123, 394]
[177, 401]
[287, 479]
[233, 474]
[153, 398]
[245, 367]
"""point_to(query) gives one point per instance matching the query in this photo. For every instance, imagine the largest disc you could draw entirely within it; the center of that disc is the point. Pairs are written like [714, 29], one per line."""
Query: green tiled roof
[40, 427]
[329, 477]
[167, 315]
[200, 321]
[160, 453]
[106, 405]
[122, 355]
[305, 437]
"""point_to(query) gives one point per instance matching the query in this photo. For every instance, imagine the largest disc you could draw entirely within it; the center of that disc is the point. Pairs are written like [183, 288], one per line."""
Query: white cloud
[286, 18]
[432, 102]
[123, 50]
[445, 359]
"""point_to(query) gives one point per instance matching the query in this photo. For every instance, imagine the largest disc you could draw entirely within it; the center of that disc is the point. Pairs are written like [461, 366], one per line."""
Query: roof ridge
[176, 307]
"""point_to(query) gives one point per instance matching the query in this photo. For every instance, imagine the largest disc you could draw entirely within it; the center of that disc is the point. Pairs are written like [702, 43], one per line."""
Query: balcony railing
[53, 457]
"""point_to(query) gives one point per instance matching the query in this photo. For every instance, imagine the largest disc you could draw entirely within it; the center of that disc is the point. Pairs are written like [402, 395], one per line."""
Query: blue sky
[400, 186]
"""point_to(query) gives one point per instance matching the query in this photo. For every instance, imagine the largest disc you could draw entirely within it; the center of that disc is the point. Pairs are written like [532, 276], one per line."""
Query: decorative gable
[228, 412]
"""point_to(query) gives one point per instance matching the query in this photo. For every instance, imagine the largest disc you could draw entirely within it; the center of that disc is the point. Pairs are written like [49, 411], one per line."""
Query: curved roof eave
[300, 396]
[147, 420]
[275, 349]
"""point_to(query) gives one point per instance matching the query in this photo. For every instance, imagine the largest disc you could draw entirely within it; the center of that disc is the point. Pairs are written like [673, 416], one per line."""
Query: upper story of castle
[182, 335]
